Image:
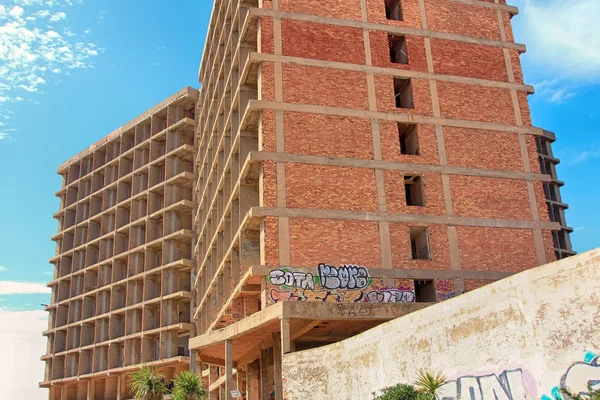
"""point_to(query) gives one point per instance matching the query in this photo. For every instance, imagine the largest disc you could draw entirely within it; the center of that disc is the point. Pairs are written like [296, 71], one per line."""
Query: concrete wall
[522, 337]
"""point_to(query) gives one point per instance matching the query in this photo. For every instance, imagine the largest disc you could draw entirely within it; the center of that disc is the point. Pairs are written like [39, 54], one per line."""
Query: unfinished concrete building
[121, 293]
[345, 163]
[357, 160]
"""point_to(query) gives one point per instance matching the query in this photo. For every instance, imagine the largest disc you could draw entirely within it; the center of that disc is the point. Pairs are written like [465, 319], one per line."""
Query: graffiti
[292, 279]
[579, 378]
[446, 296]
[345, 277]
[445, 289]
[399, 295]
[509, 385]
[352, 310]
[345, 284]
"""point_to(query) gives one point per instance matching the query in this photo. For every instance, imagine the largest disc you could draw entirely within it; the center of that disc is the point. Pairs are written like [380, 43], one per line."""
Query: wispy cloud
[580, 154]
[101, 16]
[161, 47]
[22, 343]
[57, 17]
[555, 91]
[9, 287]
[2, 269]
[33, 52]
[563, 43]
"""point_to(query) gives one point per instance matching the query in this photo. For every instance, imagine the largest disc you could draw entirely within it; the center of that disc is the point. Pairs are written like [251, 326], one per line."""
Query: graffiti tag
[390, 296]
[345, 277]
[293, 279]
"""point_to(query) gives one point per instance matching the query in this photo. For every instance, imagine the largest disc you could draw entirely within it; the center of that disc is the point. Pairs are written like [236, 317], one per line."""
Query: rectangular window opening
[403, 93]
[409, 139]
[398, 51]
[413, 186]
[393, 10]
[425, 291]
[419, 243]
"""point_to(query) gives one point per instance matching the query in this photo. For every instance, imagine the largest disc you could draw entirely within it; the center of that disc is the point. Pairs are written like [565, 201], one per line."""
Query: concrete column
[228, 370]
[253, 381]
[277, 360]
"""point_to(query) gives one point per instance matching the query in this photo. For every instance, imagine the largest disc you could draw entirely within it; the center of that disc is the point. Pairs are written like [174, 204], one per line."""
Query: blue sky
[72, 71]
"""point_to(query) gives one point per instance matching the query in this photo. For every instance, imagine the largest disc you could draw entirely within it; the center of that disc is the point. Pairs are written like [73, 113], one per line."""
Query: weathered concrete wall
[522, 337]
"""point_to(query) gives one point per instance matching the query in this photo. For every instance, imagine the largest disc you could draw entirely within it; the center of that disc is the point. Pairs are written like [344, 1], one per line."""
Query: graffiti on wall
[509, 385]
[579, 377]
[344, 284]
[445, 289]
[386, 295]
[512, 385]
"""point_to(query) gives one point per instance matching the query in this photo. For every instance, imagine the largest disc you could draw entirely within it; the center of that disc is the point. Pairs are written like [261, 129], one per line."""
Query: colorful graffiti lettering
[344, 284]
[579, 378]
[508, 385]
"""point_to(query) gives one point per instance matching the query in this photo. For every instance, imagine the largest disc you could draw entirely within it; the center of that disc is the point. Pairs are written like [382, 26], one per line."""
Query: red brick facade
[471, 45]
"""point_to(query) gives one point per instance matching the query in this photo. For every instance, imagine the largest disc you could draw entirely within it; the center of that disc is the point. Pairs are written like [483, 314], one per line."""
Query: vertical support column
[252, 381]
[119, 387]
[286, 337]
[228, 370]
[213, 376]
[194, 365]
[91, 390]
[455, 264]
[384, 227]
[538, 236]
[265, 385]
[277, 361]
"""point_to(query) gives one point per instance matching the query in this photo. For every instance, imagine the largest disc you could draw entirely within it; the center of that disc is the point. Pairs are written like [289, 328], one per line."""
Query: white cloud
[16, 12]
[22, 343]
[563, 43]
[33, 53]
[9, 287]
[58, 16]
[161, 47]
[42, 14]
[2, 269]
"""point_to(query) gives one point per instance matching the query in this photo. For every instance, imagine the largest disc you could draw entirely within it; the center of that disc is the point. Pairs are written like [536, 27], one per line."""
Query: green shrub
[398, 392]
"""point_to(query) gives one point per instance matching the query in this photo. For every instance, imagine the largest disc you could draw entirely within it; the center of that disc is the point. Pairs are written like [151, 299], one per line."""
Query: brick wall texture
[336, 64]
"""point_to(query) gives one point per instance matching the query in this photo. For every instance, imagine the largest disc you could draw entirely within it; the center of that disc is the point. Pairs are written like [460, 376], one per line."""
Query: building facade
[121, 292]
[357, 160]
[344, 163]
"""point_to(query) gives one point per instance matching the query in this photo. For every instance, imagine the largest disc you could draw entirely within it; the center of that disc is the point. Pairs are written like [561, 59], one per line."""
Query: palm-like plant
[428, 383]
[147, 384]
[189, 386]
